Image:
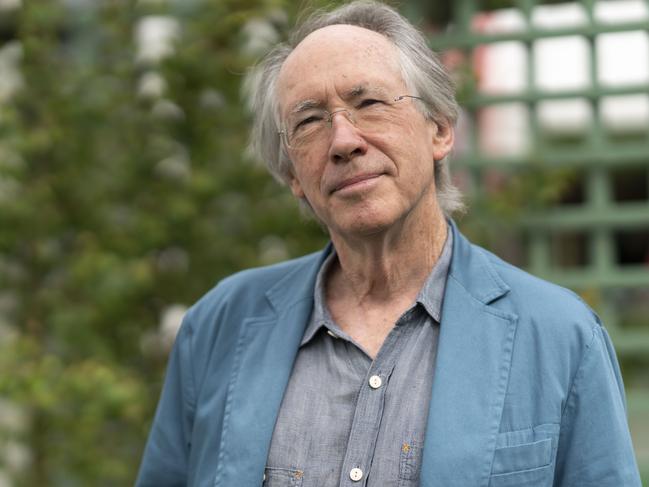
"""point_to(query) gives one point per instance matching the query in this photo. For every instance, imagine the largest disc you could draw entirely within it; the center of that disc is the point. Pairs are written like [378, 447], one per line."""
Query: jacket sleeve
[165, 459]
[595, 448]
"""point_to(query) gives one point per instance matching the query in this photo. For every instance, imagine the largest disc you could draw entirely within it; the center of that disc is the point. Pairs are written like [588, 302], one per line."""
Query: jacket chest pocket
[524, 458]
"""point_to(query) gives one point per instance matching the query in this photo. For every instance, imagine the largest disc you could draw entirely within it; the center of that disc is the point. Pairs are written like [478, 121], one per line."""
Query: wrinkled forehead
[335, 59]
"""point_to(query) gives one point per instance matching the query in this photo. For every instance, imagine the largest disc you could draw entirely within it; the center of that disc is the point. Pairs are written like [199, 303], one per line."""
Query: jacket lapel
[472, 368]
[264, 357]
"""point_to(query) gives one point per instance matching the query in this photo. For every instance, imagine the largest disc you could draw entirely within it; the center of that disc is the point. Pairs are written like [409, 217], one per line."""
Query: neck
[390, 265]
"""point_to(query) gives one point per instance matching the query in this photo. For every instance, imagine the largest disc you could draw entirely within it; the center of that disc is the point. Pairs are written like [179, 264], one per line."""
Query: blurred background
[126, 191]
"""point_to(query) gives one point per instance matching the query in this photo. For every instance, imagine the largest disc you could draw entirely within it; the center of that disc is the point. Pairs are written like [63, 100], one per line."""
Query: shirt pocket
[282, 477]
[525, 462]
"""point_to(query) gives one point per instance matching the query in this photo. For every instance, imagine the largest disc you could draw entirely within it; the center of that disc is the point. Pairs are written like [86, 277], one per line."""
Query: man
[401, 355]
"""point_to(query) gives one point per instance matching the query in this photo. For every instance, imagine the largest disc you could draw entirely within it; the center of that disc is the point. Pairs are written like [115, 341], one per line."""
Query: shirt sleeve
[595, 448]
[165, 459]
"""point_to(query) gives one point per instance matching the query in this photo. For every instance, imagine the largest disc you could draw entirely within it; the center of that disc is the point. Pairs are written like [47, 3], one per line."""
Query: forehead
[335, 59]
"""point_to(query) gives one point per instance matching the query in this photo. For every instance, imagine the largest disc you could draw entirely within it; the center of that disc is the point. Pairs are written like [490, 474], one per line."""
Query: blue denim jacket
[527, 388]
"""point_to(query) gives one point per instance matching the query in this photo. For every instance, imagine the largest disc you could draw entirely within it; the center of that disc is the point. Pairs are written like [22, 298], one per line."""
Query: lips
[345, 183]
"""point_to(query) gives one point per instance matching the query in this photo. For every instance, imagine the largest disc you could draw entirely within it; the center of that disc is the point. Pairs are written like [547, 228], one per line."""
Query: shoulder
[555, 329]
[211, 327]
[250, 293]
[259, 280]
[544, 309]
[250, 287]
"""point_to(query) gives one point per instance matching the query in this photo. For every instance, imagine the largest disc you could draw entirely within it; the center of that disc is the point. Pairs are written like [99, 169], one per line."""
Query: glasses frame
[283, 132]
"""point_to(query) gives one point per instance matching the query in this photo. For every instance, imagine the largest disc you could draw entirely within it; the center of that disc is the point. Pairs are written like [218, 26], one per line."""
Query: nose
[346, 141]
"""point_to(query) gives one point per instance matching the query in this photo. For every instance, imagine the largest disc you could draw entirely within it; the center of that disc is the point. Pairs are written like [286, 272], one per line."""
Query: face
[360, 181]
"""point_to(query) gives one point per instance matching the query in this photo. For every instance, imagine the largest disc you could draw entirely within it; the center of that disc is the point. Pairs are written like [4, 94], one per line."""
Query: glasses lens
[306, 129]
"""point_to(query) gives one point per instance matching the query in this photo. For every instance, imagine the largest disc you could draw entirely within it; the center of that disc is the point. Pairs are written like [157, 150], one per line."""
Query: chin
[362, 223]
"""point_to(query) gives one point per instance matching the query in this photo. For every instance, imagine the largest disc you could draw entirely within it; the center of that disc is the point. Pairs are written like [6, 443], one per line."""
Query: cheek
[419, 139]
[409, 146]
[408, 127]
[307, 178]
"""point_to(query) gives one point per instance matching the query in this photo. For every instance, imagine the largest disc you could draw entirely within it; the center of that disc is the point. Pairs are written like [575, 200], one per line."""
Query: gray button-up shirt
[348, 420]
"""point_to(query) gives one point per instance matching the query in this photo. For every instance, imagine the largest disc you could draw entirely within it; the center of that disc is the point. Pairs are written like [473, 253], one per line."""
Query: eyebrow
[305, 105]
[355, 92]
[360, 90]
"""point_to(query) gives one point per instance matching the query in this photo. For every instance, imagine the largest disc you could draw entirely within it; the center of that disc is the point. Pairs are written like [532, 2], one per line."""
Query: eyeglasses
[313, 125]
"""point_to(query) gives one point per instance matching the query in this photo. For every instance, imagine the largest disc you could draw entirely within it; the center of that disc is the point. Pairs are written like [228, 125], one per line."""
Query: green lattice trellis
[599, 216]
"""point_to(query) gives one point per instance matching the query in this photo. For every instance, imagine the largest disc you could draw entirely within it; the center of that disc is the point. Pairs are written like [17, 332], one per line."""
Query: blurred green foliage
[116, 202]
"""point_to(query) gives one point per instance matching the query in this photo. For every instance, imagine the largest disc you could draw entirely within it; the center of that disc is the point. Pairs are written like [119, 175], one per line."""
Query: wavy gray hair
[421, 69]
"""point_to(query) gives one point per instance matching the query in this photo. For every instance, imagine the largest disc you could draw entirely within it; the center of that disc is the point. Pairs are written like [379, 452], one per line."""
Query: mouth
[356, 182]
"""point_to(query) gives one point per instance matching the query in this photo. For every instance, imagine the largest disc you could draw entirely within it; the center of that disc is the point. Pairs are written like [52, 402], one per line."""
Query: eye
[368, 102]
[306, 121]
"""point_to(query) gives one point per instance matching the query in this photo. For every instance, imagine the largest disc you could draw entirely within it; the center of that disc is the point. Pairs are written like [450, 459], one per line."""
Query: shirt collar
[430, 295]
[320, 316]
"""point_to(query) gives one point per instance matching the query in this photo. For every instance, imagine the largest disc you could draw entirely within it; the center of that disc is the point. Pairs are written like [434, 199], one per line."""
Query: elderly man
[401, 355]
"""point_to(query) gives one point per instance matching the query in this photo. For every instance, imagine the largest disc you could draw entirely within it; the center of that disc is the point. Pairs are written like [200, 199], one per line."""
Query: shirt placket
[368, 414]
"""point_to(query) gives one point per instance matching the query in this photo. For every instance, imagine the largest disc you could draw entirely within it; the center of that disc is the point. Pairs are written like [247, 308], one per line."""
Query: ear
[443, 138]
[296, 187]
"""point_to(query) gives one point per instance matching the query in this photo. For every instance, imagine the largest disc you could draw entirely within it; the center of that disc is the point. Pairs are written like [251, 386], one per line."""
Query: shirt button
[332, 334]
[356, 474]
[375, 382]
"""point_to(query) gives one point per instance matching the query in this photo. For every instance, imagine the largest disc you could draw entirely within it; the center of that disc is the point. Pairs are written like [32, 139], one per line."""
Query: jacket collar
[471, 268]
[298, 284]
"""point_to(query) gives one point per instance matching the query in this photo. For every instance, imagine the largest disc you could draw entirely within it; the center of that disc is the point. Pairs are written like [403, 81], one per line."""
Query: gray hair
[421, 69]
